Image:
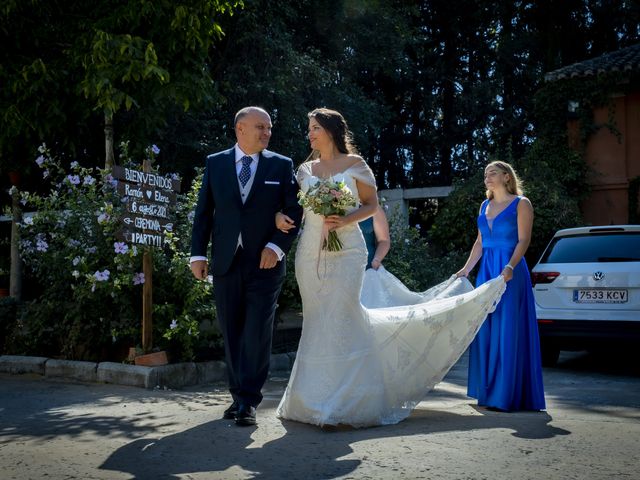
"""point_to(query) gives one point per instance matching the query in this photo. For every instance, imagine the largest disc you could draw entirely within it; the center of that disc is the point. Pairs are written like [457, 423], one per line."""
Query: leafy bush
[8, 317]
[415, 260]
[90, 304]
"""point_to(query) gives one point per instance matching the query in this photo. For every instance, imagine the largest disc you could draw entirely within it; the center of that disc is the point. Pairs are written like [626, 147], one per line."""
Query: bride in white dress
[357, 365]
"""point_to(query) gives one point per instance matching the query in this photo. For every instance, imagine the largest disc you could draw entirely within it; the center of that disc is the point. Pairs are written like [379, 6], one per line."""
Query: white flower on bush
[109, 180]
[74, 164]
[40, 160]
[101, 276]
[75, 274]
[42, 148]
[41, 245]
[76, 261]
[174, 324]
[26, 246]
[103, 218]
[417, 226]
[28, 221]
[120, 247]
[88, 180]
[72, 179]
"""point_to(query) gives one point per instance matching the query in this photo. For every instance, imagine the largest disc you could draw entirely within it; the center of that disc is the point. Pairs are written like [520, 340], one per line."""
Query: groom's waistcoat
[221, 216]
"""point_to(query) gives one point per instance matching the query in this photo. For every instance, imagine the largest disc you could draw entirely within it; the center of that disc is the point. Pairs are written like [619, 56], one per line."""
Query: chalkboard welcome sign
[150, 201]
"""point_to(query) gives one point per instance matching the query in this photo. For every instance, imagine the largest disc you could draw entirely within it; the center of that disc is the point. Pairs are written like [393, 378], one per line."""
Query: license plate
[600, 296]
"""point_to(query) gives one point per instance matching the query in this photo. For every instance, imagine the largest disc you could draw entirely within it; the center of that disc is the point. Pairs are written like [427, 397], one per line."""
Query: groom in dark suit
[242, 189]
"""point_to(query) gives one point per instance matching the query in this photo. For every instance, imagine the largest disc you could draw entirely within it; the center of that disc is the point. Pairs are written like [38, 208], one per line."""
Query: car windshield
[590, 248]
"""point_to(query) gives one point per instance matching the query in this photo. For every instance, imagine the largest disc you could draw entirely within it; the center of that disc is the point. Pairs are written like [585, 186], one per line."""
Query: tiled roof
[624, 60]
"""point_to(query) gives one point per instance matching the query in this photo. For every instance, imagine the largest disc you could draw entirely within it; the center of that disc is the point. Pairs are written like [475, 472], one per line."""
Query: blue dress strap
[483, 207]
[517, 201]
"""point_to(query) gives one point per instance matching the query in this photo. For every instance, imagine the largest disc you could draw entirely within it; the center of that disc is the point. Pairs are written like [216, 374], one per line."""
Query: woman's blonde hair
[513, 185]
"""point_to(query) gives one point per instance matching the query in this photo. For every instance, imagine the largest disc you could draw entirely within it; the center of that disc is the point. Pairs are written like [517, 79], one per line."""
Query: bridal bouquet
[328, 197]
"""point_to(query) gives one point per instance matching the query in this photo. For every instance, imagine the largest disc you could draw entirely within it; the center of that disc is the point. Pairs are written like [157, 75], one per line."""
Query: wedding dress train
[370, 364]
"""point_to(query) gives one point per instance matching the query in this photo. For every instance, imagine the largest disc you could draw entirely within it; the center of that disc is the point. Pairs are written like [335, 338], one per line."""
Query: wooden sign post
[150, 199]
[147, 289]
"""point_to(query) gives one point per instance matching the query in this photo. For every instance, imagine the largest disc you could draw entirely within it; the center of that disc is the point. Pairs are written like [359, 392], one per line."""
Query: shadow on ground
[302, 451]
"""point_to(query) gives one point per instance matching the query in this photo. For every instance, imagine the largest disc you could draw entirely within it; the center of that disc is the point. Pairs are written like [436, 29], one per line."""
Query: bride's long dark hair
[336, 126]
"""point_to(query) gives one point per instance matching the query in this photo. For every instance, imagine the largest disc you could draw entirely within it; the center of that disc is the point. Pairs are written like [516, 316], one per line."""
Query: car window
[618, 247]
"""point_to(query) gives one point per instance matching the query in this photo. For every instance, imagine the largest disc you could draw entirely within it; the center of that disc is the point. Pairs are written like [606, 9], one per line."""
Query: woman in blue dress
[505, 369]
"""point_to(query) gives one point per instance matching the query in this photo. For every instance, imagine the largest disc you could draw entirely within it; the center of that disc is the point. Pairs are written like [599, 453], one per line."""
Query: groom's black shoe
[231, 412]
[246, 416]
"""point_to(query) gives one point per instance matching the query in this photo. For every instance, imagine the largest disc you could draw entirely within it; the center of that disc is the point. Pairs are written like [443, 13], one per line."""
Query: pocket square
[271, 182]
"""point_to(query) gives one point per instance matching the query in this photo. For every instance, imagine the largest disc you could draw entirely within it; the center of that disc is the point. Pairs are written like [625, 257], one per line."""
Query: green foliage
[417, 263]
[554, 179]
[91, 283]
[8, 319]
[63, 60]
[455, 227]
[553, 172]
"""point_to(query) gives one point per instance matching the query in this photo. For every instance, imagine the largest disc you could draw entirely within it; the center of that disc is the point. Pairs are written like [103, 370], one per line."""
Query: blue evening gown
[505, 368]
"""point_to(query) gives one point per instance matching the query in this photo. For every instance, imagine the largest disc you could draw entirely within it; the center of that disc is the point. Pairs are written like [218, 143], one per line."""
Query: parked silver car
[587, 289]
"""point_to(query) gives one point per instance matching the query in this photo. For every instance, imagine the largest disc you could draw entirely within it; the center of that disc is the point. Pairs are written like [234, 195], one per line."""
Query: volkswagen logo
[598, 276]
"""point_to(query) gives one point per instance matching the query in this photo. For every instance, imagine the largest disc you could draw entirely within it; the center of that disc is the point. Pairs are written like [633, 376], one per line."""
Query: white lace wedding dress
[366, 366]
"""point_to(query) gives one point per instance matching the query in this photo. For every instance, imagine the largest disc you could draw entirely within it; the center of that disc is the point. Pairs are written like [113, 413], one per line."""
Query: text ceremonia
[150, 200]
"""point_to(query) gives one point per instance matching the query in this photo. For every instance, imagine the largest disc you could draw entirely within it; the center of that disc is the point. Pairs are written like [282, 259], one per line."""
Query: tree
[135, 56]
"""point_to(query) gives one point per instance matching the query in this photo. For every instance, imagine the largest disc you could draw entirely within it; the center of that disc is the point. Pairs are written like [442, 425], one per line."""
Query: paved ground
[55, 430]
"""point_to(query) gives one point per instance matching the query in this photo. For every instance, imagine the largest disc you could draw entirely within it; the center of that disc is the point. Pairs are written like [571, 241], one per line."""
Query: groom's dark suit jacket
[221, 216]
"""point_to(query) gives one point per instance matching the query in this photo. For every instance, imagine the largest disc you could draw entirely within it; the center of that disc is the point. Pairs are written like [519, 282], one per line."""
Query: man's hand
[268, 259]
[199, 268]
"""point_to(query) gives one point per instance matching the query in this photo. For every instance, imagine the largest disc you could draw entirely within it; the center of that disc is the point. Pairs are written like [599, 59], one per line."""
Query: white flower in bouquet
[329, 197]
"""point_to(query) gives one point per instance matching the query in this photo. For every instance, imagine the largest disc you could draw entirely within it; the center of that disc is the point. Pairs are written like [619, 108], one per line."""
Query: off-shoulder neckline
[330, 176]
